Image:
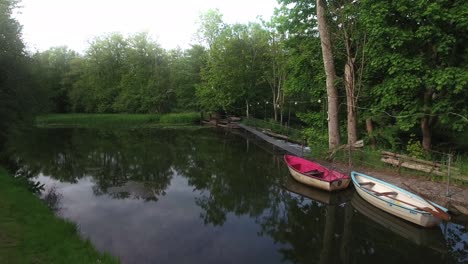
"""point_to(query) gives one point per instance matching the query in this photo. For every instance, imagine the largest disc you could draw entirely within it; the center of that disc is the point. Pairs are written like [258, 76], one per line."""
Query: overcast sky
[48, 23]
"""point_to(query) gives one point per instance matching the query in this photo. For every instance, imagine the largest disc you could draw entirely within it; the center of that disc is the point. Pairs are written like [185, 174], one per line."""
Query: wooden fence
[430, 167]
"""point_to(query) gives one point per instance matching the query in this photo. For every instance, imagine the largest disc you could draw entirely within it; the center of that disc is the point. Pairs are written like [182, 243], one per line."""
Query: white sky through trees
[49, 23]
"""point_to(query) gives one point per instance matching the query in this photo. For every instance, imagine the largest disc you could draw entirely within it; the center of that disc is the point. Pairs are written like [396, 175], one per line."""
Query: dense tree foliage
[234, 76]
[405, 61]
[120, 74]
[53, 69]
[399, 69]
[17, 98]
[419, 63]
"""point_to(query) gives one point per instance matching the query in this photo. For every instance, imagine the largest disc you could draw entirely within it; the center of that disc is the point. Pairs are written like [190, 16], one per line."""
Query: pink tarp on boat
[312, 169]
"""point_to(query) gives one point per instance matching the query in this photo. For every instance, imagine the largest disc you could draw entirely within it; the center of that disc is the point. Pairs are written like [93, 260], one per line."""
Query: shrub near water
[93, 120]
[116, 120]
[180, 118]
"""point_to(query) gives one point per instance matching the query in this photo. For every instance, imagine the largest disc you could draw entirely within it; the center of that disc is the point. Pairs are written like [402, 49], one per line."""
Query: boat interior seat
[314, 172]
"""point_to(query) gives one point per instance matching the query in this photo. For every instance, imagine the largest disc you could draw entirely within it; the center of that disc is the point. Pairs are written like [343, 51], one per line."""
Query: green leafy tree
[103, 68]
[418, 64]
[306, 78]
[119, 74]
[19, 98]
[211, 26]
[145, 86]
[51, 70]
[185, 69]
[233, 76]
[276, 68]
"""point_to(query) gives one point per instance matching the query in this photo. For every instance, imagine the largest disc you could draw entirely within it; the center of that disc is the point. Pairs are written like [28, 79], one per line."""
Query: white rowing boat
[398, 202]
[427, 237]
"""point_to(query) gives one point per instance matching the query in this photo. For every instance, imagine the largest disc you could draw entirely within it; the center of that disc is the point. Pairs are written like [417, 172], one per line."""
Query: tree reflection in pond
[121, 158]
[217, 187]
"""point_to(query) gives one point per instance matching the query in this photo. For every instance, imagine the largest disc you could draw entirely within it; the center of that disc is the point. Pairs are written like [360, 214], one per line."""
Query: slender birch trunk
[351, 101]
[329, 65]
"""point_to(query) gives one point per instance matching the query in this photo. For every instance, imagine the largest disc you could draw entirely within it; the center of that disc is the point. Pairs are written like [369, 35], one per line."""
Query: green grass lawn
[117, 120]
[31, 233]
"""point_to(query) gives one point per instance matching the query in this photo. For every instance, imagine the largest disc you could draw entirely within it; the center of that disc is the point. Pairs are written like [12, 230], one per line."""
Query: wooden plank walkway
[286, 146]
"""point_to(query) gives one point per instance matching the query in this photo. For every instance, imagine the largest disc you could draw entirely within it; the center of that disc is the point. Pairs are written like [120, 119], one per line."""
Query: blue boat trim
[354, 173]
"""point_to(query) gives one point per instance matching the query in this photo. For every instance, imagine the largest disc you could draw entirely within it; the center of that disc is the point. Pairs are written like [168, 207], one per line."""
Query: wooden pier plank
[274, 141]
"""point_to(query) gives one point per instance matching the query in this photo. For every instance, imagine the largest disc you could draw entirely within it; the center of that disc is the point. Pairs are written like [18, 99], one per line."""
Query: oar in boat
[446, 215]
[442, 215]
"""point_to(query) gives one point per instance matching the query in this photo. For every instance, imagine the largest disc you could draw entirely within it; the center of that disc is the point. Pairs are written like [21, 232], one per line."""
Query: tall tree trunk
[426, 133]
[273, 89]
[276, 80]
[281, 109]
[329, 65]
[247, 114]
[328, 234]
[370, 130]
[275, 112]
[426, 122]
[346, 240]
[281, 115]
[351, 101]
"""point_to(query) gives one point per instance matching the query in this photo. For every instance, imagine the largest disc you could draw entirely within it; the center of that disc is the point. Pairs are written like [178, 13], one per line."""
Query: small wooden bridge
[286, 146]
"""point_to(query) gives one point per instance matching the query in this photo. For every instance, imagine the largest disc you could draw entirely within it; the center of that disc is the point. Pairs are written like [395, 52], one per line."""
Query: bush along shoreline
[31, 233]
[118, 120]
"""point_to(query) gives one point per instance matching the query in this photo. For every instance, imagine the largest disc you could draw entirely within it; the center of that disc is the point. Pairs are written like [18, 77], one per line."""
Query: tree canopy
[399, 70]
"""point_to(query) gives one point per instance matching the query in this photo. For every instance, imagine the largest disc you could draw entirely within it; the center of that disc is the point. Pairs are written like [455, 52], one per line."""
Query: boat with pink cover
[316, 175]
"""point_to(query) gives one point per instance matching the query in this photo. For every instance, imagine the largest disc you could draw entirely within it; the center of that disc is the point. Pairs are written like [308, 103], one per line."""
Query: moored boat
[316, 175]
[398, 202]
[426, 237]
[318, 195]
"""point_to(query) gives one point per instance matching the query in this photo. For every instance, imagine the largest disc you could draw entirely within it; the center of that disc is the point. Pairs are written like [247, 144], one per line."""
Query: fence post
[289, 118]
[350, 161]
[302, 147]
[448, 174]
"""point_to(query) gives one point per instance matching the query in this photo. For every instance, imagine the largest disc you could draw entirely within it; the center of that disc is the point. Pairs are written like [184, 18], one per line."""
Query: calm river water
[211, 196]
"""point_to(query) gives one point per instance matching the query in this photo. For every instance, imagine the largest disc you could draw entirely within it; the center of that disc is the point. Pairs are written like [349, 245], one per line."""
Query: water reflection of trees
[145, 161]
[233, 176]
[111, 158]
[311, 231]
[253, 184]
[312, 226]
[315, 232]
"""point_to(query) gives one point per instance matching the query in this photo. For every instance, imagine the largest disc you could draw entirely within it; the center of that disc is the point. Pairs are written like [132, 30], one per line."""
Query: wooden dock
[286, 146]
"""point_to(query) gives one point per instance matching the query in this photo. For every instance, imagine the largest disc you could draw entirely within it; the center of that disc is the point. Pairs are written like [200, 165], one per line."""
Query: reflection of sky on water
[169, 230]
[212, 196]
[460, 244]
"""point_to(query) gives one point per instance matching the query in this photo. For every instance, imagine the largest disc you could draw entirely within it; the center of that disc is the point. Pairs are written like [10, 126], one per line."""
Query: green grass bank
[31, 233]
[118, 120]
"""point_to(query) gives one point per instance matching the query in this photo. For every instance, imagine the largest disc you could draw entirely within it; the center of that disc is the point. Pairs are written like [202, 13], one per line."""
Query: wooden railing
[430, 167]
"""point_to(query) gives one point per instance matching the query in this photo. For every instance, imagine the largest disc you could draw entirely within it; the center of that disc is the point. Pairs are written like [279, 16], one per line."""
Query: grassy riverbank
[31, 233]
[118, 120]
